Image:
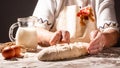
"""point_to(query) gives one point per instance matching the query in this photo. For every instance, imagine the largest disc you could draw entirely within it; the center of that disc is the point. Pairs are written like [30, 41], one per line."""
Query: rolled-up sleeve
[105, 12]
[44, 10]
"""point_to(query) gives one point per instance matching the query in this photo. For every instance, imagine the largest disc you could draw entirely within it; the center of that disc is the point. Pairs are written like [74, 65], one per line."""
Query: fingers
[65, 37]
[95, 48]
[55, 38]
[93, 34]
[60, 37]
[96, 44]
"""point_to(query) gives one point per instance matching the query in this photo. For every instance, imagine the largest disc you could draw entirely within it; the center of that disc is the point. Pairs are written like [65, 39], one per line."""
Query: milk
[27, 37]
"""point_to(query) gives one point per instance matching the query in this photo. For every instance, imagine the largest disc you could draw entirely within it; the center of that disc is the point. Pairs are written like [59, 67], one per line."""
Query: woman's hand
[47, 38]
[100, 40]
[61, 36]
[65, 37]
[97, 42]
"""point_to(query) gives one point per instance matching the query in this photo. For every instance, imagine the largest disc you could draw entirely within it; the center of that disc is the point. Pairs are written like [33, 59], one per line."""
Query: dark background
[10, 10]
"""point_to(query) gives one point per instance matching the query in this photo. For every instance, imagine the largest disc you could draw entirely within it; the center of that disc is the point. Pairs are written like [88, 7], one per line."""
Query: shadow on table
[113, 52]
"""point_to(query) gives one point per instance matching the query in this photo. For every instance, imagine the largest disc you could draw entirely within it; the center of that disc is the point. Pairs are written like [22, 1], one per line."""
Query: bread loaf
[63, 51]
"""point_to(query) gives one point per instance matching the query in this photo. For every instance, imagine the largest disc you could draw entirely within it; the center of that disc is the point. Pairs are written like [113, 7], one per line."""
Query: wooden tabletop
[108, 58]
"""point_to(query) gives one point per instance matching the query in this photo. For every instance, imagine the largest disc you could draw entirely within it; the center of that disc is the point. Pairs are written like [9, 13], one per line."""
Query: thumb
[93, 34]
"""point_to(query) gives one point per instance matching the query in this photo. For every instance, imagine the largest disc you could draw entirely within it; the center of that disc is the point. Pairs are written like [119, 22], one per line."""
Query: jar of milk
[26, 35]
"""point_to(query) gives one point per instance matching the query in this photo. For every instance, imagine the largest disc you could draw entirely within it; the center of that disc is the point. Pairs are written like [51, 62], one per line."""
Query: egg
[8, 52]
[17, 50]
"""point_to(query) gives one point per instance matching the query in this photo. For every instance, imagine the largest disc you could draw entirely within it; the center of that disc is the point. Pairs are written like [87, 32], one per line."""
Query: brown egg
[17, 50]
[8, 52]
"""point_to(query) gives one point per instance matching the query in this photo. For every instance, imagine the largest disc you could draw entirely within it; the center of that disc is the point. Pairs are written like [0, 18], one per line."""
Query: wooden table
[108, 58]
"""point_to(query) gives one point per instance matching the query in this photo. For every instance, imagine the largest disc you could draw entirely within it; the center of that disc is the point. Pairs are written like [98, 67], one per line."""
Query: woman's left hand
[97, 42]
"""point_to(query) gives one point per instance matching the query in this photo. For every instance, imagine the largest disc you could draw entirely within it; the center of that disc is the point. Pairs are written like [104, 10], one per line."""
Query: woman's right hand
[61, 36]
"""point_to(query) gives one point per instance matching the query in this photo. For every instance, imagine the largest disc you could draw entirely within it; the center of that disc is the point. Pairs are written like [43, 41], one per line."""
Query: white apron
[68, 20]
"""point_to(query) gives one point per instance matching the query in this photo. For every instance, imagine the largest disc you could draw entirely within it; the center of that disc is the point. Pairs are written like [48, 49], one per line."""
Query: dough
[63, 51]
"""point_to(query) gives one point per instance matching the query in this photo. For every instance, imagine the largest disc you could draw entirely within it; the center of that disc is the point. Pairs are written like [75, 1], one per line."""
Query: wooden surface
[108, 58]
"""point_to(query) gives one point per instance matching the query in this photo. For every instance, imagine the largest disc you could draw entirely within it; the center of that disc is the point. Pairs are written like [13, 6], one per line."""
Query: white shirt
[104, 11]
[49, 11]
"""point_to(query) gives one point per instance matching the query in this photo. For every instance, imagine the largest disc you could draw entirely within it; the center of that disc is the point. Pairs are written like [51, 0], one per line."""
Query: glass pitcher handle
[13, 26]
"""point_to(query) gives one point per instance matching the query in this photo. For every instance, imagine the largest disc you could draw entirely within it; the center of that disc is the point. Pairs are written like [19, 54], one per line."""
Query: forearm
[43, 36]
[111, 36]
[106, 20]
